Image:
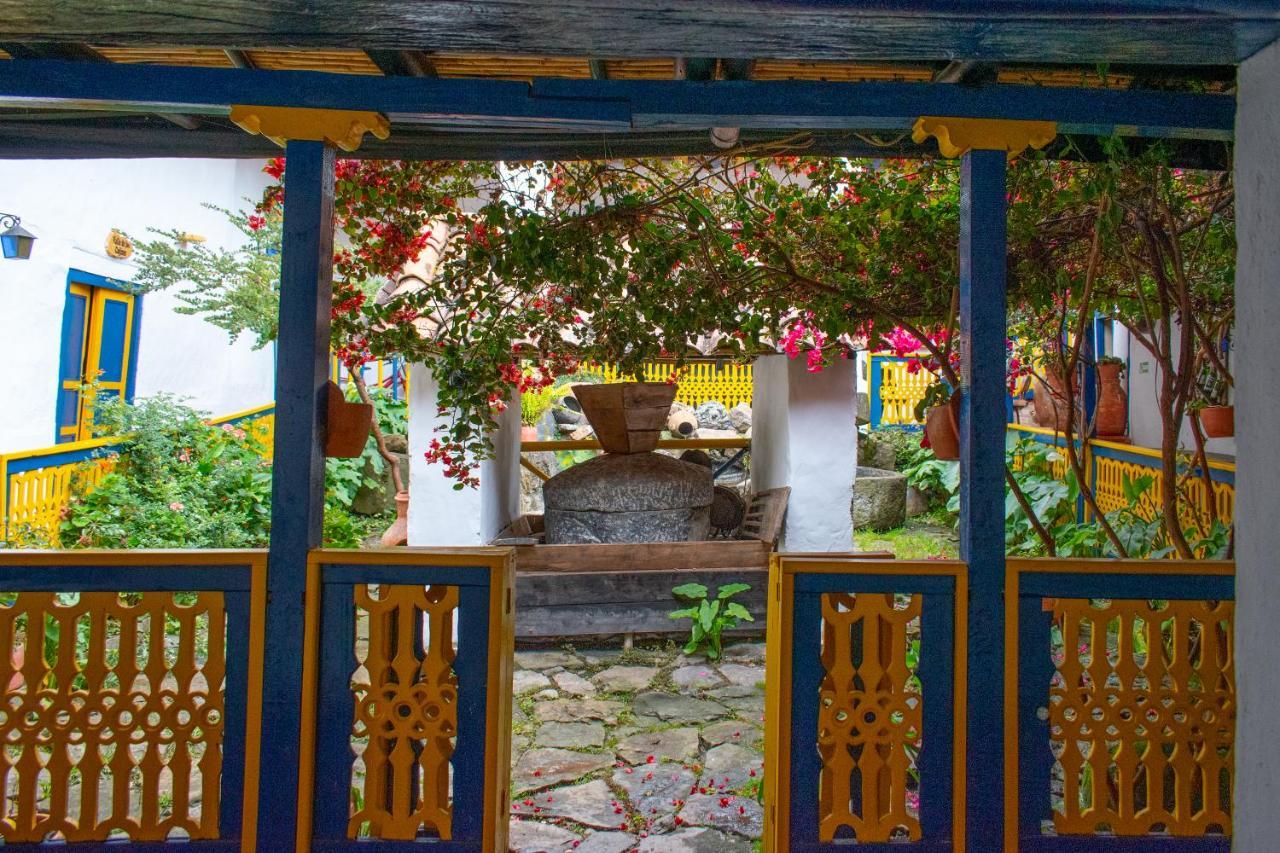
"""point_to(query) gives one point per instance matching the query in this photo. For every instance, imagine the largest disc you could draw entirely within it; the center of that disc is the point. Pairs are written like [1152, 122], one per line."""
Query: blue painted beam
[982, 466]
[297, 486]
[612, 105]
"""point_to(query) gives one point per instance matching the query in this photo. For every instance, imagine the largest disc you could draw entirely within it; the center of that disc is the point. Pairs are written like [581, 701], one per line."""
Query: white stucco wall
[1257, 375]
[71, 206]
[804, 435]
[1144, 399]
[439, 514]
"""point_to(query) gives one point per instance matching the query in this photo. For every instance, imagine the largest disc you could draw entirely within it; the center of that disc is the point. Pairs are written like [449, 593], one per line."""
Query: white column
[804, 435]
[1257, 376]
[439, 514]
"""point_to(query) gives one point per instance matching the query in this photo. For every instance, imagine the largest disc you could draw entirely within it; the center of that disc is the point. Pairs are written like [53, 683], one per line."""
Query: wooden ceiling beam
[968, 72]
[402, 63]
[75, 52]
[239, 58]
[1189, 32]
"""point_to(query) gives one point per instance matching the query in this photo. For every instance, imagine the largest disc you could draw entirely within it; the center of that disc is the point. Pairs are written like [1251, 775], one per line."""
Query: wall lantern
[16, 241]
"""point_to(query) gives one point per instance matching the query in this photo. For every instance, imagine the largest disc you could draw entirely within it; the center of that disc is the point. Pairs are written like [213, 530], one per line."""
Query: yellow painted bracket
[342, 128]
[959, 136]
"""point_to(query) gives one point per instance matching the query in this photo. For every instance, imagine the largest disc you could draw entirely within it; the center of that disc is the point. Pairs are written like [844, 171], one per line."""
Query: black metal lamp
[15, 241]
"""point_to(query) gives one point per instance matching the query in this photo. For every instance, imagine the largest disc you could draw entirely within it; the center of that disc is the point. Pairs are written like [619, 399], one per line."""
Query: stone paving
[645, 750]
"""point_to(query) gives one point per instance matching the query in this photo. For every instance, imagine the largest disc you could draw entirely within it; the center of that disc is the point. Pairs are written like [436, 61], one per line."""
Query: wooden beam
[594, 106]
[73, 52]
[402, 63]
[297, 482]
[239, 59]
[982, 469]
[968, 72]
[1194, 32]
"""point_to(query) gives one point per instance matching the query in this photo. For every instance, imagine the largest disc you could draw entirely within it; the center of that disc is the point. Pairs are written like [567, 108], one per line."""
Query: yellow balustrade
[900, 390]
[406, 711]
[122, 736]
[698, 381]
[32, 499]
[1142, 716]
[1106, 477]
[869, 717]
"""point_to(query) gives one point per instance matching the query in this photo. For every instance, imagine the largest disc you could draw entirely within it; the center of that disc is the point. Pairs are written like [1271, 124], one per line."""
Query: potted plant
[939, 408]
[1050, 400]
[1217, 416]
[347, 426]
[1112, 414]
[534, 404]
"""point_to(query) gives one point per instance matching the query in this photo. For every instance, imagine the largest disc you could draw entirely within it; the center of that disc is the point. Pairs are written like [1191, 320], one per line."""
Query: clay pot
[942, 428]
[398, 532]
[1050, 401]
[628, 417]
[347, 427]
[1218, 421]
[1113, 403]
[528, 433]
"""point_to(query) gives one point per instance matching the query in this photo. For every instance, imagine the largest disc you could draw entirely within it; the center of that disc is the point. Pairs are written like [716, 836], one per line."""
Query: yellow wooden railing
[700, 381]
[1108, 463]
[895, 390]
[35, 485]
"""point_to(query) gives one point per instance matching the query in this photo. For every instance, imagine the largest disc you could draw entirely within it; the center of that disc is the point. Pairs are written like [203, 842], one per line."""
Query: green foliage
[234, 289]
[938, 479]
[710, 617]
[178, 482]
[536, 402]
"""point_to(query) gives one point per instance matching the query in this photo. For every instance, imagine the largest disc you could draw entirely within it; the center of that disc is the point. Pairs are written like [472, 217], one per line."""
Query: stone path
[645, 750]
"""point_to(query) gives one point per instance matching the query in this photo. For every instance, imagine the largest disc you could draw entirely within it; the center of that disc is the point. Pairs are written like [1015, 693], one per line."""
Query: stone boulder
[634, 497]
[879, 499]
[740, 417]
[874, 453]
[713, 415]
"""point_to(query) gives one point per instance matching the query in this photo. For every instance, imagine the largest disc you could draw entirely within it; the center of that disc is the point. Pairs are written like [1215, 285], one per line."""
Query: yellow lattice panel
[900, 391]
[406, 701]
[698, 382]
[113, 717]
[37, 497]
[1142, 717]
[869, 717]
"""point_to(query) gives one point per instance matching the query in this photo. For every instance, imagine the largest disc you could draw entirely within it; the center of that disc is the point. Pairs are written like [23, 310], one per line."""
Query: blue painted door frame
[982, 472]
[297, 488]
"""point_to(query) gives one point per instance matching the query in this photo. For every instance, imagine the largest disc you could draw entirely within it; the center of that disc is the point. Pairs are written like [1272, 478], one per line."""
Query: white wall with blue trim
[72, 206]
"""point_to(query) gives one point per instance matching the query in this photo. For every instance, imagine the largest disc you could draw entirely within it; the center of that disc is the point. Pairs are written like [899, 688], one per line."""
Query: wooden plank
[650, 556]
[605, 603]
[1070, 31]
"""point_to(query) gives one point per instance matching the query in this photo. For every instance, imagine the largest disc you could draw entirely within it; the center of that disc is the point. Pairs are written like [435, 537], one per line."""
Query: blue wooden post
[982, 431]
[297, 488]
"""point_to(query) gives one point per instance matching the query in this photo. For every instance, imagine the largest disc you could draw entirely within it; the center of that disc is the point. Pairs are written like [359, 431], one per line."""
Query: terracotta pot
[628, 417]
[1050, 401]
[398, 532]
[1218, 421]
[942, 428]
[1113, 403]
[528, 433]
[348, 425]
